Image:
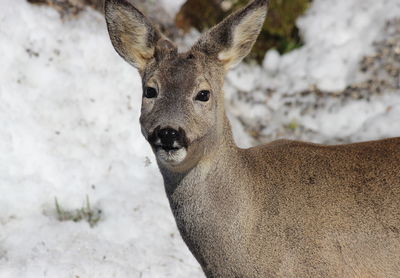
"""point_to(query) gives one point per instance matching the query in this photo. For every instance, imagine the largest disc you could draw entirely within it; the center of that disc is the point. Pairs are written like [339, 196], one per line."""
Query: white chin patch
[173, 157]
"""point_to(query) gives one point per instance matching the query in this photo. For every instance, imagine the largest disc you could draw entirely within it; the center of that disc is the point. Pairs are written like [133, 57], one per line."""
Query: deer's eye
[150, 92]
[203, 95]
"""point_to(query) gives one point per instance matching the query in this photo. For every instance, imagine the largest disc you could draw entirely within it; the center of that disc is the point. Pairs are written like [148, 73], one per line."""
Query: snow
[336, 34]
[338, 123]
[69, 109]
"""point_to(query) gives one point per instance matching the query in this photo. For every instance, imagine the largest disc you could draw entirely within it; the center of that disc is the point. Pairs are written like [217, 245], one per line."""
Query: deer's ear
[232, 39]
[132, 34]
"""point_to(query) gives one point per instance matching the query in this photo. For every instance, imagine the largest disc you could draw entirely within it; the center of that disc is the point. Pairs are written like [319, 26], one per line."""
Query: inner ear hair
[232, 39]
[244, 35]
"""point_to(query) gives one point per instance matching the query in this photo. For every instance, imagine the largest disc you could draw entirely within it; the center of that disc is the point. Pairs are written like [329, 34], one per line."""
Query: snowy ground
[69, 110]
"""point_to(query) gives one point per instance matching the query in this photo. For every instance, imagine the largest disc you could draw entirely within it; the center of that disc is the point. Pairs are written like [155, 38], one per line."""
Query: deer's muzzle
[169, 144]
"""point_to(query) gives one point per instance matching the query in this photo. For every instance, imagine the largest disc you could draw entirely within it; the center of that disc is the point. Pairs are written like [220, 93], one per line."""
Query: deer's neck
[209, 204]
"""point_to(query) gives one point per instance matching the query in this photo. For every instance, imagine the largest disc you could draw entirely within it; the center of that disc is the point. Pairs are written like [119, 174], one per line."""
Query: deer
[284, 209]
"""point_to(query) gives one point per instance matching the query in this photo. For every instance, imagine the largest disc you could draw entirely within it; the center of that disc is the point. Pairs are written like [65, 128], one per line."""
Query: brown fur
[286, 209]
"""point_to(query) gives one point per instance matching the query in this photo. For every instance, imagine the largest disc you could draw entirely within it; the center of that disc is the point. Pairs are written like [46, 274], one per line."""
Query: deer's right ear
[131, 33]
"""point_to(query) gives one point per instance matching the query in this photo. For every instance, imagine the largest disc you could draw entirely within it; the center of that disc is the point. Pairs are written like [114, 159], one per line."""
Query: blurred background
[81, 195]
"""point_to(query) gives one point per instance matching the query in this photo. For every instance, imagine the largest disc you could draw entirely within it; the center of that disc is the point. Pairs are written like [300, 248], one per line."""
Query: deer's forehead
[178, 71]
[178, 74]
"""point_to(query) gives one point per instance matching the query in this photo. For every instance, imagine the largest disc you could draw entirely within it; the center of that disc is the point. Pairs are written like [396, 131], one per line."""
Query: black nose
[168, 136]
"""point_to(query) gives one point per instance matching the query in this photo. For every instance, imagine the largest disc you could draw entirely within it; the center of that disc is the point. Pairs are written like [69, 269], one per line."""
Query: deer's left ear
[232, 39]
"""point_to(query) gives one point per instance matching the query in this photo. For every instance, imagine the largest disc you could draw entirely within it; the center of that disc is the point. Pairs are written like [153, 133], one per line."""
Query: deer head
[182, 113]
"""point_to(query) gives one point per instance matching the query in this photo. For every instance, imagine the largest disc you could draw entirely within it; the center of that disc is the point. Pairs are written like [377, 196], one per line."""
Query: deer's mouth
[168, 148]
[172, 156]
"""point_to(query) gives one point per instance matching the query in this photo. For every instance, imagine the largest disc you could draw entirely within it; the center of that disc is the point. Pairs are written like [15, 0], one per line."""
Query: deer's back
[325, 211]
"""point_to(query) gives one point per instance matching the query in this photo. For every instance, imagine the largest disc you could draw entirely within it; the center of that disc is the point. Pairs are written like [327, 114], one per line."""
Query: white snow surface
[69, 109]
[337, 34]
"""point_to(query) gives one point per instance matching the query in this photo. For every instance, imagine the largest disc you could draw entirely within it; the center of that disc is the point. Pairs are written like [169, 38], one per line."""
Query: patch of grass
[200, 14]
[86, 213]
[293, 125]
